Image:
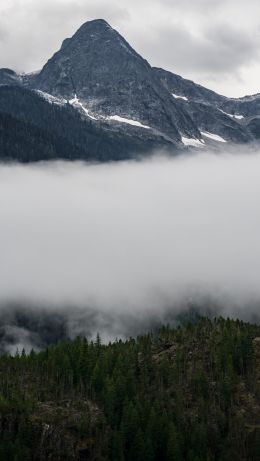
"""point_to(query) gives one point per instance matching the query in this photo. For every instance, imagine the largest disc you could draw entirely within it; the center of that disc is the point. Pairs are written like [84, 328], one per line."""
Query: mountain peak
[90, 60]
[96, 25]
[95, 22]
[88, 30]
[111, 79]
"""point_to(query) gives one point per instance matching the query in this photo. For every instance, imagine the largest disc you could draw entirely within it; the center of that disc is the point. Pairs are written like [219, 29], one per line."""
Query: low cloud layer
[111, 245]
[213, 42]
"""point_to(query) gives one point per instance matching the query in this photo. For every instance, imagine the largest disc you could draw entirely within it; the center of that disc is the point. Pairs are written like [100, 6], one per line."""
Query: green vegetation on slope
[190, 393]
[32, 130]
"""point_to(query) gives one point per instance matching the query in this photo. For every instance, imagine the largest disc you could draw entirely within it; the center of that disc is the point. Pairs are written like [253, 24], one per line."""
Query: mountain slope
[211, 112]
[111, 79]
[9, 77]
[34, 129]
[113, 105]
[187, 393]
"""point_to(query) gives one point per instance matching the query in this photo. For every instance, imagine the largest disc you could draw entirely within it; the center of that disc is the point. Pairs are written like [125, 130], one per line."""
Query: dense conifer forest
[186, 393]
[33, 129]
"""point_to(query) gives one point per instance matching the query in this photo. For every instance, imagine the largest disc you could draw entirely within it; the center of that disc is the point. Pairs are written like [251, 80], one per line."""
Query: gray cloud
[220, 50]
[117, 246]
[213, 42]
[37, 29]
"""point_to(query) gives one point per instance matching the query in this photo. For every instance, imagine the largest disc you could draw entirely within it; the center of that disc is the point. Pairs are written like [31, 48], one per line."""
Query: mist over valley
[123, 247]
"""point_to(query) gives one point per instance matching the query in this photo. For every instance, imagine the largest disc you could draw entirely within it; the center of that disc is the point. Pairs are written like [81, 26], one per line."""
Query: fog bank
[132, 239]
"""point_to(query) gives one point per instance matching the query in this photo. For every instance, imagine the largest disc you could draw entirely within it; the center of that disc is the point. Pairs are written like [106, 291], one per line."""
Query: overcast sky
[214, 42]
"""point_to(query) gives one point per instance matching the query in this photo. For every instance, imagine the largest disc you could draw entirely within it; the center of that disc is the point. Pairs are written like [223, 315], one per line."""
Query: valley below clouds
[118, 247]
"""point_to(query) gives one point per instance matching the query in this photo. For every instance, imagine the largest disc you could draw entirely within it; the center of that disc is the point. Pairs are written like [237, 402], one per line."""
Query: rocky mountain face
[227, 117]
[111, 80]
[99, 76]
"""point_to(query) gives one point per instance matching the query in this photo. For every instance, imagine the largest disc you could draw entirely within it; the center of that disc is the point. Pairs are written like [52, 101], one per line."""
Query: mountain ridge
[102, 77]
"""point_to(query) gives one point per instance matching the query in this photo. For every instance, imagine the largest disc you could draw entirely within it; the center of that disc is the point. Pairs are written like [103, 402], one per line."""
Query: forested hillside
[187, 393]
[33, 129]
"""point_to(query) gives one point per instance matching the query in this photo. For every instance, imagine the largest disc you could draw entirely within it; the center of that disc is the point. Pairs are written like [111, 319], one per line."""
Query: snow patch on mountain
[117, 118]
[192, 142]
[238, 117]
[51, 99]
[179, 97]
[214, 137]
[76, 102]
